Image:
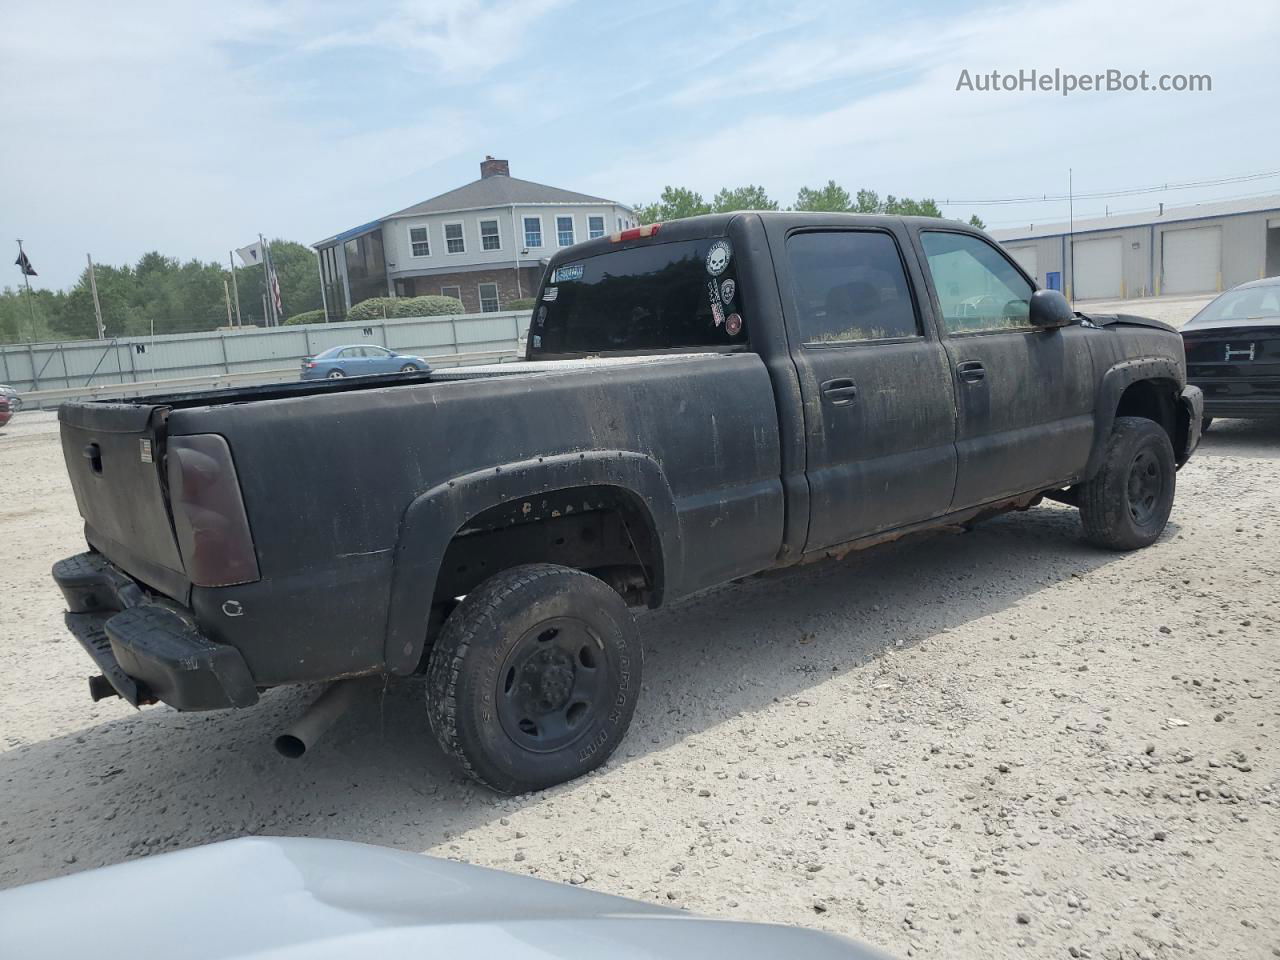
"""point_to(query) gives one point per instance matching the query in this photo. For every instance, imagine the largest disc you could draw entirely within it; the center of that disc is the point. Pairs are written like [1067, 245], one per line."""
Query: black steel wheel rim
[552, 685]
[1145, 485]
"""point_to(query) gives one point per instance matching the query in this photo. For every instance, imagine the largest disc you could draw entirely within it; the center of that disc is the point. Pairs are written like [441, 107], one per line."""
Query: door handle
[972, 371]
[839, 393]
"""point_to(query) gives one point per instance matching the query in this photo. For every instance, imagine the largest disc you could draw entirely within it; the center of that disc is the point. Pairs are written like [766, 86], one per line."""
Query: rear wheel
[534, 677]
[1205, 423]
[1127, 505]
[335, 375]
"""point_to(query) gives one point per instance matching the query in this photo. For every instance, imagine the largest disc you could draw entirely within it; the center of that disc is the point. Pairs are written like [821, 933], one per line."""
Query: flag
[24, 264]
[251, 255]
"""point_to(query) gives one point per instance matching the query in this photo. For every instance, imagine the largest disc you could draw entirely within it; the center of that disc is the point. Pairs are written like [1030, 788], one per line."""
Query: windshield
[661, 296]
[1247, 303]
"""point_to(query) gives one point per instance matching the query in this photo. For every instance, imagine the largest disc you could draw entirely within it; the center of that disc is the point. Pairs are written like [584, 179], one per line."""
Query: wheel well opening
[603, 530]
[1153, 400]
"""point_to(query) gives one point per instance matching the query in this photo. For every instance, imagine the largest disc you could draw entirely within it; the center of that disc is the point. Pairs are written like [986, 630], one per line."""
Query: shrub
[375, 308]
[524, 303]
[307, 316]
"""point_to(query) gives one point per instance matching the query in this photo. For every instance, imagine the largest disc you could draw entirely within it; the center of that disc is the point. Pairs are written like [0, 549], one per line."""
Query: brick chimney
[490, 167]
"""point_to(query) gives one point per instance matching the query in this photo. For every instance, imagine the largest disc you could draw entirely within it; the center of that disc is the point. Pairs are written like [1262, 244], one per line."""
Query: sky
[191, 127]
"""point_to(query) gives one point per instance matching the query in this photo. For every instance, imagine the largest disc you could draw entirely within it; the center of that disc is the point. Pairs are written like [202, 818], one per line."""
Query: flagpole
[266, 281]
[235, 288]
[97, 307]
[31, 305]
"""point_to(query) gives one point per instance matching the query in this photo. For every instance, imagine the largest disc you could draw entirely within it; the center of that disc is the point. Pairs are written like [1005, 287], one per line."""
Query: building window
[418, 240]
[619, 223]
[489, 239]
[453, 241]
[595, 228]
[533, 232]
[488, 298]
[564, 231]
[455, 292]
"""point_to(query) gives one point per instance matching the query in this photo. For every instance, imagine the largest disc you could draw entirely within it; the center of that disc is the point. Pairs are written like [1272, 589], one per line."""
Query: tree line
[677, 202]
[173, 296]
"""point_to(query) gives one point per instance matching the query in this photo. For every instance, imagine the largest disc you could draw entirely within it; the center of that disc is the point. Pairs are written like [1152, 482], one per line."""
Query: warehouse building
[1196, 249]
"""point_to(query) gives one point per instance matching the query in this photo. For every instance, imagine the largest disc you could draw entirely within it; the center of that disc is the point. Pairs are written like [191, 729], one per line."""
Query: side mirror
[1049, 309]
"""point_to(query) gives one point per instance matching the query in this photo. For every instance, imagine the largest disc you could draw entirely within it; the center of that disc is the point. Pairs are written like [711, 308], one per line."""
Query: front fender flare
[432, 519]
[1114, 383]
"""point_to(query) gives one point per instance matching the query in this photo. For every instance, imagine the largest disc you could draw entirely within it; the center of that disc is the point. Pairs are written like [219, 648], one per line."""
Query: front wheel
[534, 677]
[408, 368]
[1127, 505]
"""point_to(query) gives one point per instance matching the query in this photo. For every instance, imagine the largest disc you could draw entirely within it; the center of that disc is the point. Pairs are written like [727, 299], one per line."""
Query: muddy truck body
[700, 401]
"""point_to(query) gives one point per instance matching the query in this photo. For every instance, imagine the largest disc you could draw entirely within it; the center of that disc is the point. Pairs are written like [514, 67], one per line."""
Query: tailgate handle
[93, 453]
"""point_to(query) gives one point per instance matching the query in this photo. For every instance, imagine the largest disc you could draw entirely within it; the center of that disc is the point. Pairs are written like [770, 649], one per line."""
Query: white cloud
[913, 134]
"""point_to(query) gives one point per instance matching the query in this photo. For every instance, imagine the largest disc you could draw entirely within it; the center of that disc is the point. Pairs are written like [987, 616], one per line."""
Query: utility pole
[31, 304]
[1071, 238]
[234, 287]
[97, 307]
[226, 295]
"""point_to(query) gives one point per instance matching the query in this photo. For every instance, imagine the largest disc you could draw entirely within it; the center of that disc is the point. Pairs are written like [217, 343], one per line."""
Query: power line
[1113, 213]
[1131, 192]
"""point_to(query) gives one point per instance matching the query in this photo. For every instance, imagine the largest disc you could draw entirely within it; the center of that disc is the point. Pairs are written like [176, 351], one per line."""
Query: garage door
[1192, 260]
[1027, 260]
[1097, 268]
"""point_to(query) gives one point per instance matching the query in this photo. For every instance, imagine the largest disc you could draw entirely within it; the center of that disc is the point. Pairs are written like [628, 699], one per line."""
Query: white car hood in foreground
[289, 899]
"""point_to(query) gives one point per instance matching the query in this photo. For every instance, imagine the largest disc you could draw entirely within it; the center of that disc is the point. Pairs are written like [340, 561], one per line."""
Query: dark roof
[495, 191]
[347, 234]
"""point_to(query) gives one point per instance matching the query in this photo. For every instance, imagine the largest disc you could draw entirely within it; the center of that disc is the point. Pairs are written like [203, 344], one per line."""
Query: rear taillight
[208, 512]
[636, 233]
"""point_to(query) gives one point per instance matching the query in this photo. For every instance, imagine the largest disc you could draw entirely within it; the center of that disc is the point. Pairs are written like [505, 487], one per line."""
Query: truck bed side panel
[327, 481]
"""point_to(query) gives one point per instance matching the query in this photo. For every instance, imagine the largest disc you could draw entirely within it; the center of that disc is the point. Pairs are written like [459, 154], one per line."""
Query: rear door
[879, 407]
[1025, 396]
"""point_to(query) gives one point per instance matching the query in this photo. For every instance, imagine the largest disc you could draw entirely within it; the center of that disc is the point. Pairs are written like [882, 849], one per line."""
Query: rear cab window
[681, 295]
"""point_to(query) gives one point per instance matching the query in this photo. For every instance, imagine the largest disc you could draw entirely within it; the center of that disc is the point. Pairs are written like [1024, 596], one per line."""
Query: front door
[879, 408]
[1025, 396]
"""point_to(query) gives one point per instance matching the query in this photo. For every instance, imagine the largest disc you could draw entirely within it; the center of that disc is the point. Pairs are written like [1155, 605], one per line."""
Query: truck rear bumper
[148, 650]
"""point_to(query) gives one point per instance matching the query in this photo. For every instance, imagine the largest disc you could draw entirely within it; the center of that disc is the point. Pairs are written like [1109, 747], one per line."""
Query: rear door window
[661, 296]
[850, 286]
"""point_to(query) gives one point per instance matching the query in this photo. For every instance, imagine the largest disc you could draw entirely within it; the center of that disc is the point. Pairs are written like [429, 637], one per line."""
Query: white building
[1179, 250]
[485, 243]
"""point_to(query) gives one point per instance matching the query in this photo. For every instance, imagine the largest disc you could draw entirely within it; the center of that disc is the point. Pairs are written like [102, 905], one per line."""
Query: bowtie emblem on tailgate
[1234, 354]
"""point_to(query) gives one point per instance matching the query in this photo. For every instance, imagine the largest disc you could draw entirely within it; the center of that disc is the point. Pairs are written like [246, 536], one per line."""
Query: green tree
[749, 197]
[673, 204]
[832, 198]
[976, 221]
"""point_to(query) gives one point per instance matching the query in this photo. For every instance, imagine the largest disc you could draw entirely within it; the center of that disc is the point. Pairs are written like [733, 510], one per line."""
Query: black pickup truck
[701, 400]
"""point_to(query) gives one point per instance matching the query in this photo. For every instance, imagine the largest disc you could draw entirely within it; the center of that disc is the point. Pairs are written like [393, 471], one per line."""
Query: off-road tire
[1112, 516]
[492, 625]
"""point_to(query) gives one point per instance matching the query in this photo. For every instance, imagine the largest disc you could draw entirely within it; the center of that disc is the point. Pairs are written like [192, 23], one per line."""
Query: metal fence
[63, 369]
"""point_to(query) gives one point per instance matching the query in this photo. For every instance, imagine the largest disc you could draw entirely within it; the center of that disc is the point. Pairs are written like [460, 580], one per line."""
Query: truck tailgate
[114, 456]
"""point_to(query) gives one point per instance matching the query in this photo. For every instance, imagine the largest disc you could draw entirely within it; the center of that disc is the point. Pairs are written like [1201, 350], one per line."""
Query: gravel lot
[1001, 744]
